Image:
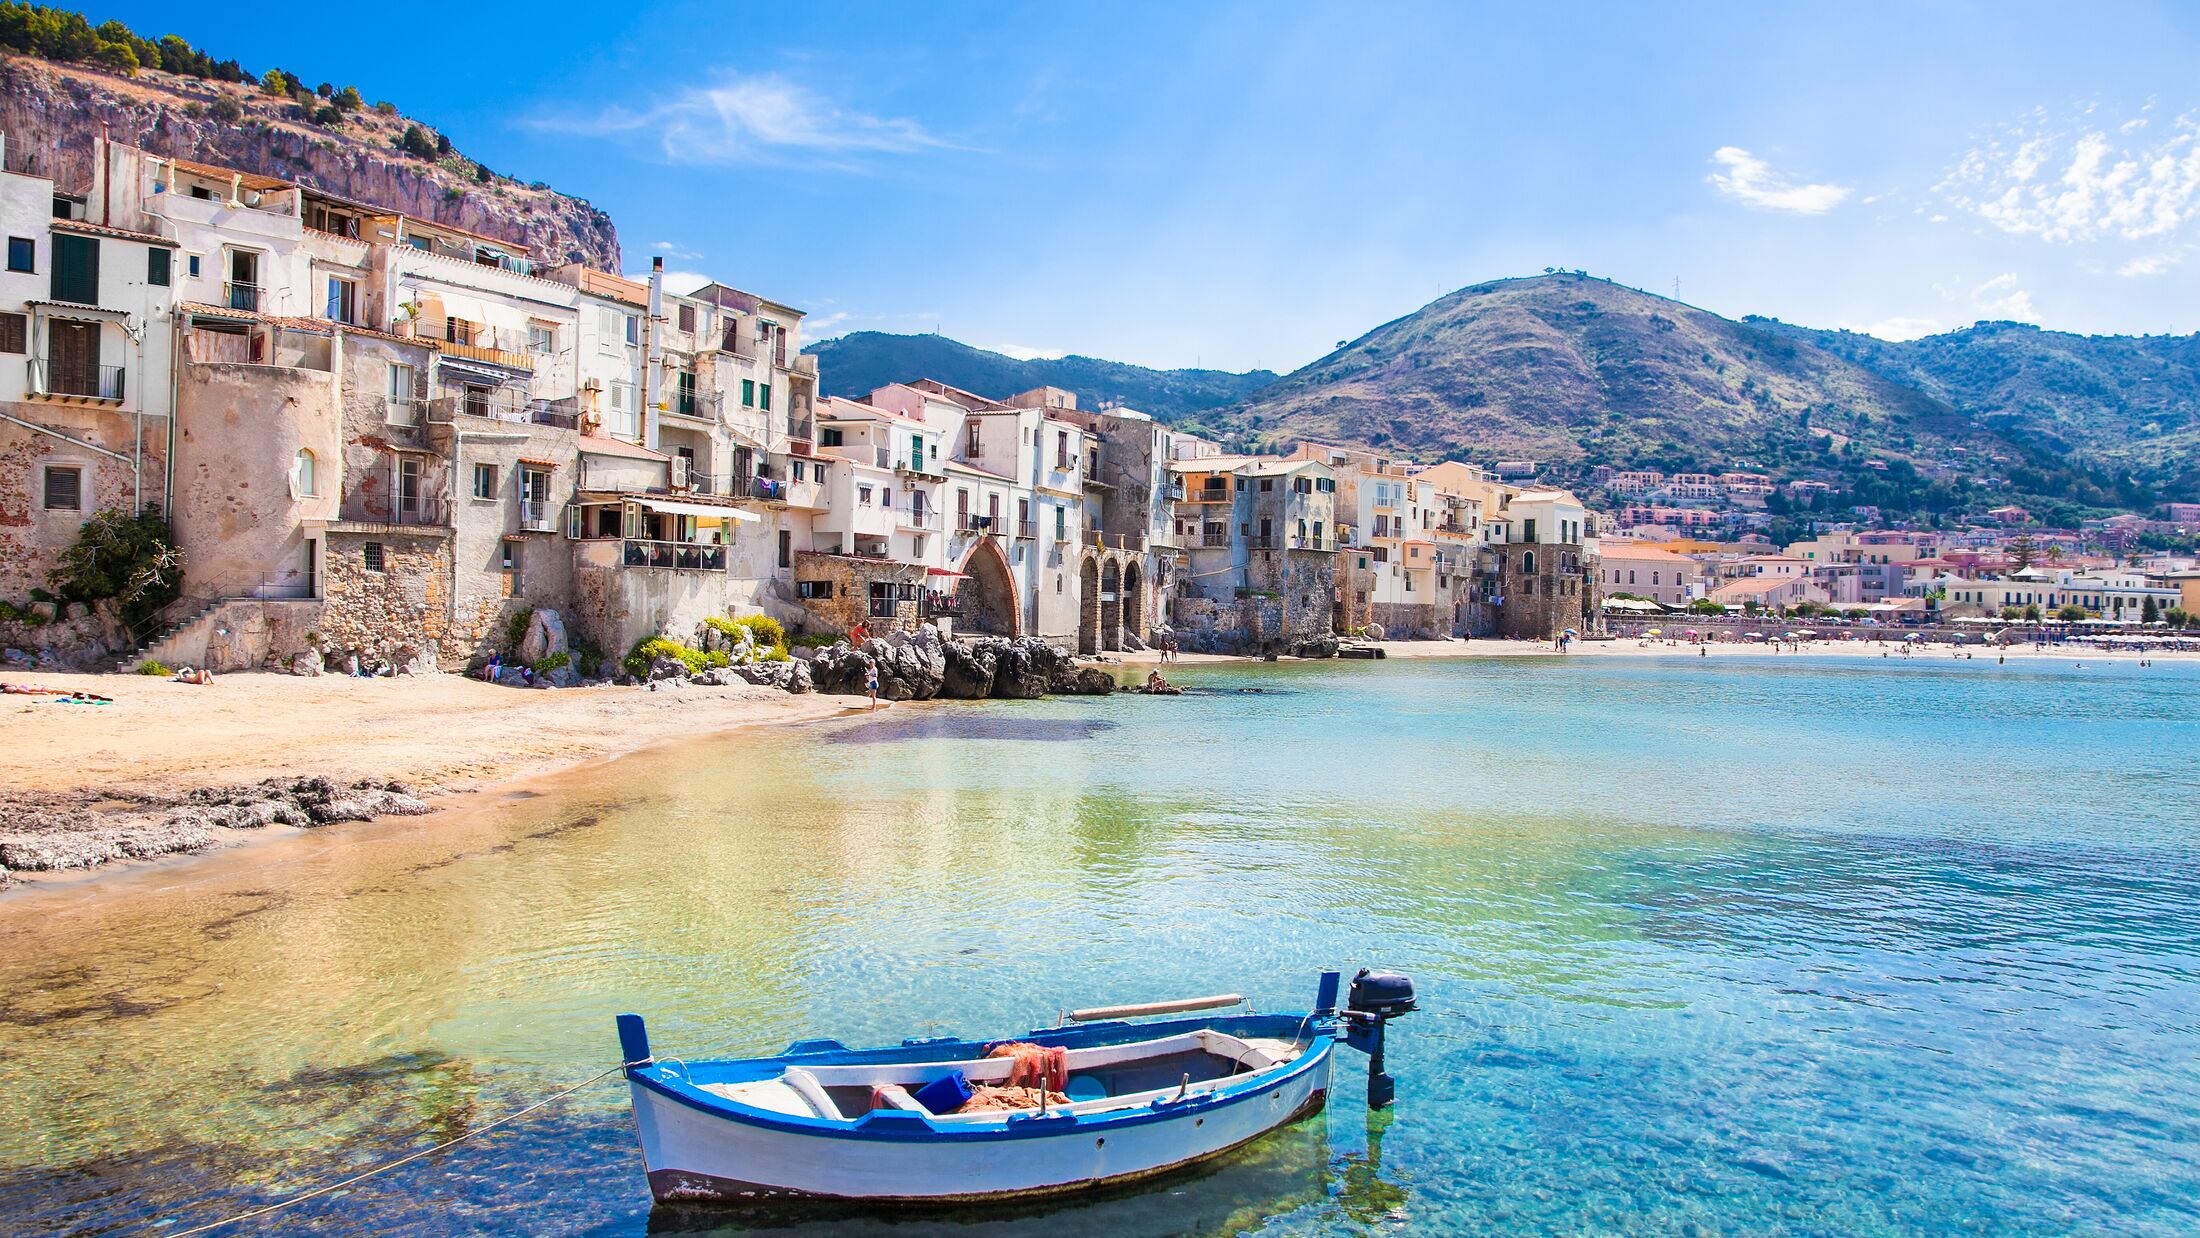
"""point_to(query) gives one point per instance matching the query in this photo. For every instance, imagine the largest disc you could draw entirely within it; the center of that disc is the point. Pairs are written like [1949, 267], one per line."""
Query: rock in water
[1027, 668]
[1085, 681]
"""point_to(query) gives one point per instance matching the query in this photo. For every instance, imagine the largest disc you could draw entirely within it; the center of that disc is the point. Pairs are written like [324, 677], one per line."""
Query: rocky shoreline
[50, 832]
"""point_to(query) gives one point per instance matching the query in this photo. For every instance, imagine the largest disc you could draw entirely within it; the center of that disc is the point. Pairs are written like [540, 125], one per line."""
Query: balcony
[505, 404]
[1027, 530]
[1115, 541]
[693, 405]
[967, 523]
[239, 295]
[672, 556]
[390, 494]
[1213, 540]
[920, 518]
[537, 516]
[1172, 492]
[100, 384]
[508, 358]
[1259, 541]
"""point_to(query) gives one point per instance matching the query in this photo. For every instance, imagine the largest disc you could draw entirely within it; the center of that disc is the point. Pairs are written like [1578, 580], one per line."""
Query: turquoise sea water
[1776, 946]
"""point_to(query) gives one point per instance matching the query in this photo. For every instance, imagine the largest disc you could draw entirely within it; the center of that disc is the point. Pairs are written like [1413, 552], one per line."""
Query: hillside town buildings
[377, 436]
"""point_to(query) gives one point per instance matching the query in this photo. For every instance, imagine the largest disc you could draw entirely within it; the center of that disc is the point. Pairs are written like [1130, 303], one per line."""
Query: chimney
[652, 354]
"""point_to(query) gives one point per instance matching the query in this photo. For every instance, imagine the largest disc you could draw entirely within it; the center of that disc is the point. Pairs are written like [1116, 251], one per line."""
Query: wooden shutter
[75, 269]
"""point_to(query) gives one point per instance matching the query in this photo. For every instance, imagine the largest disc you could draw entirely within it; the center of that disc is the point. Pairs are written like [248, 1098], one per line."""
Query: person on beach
[858, 634]
[870, 680]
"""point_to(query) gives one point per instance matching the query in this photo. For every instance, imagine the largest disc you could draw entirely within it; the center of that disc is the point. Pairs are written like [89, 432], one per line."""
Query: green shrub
[153, 666]
[777, 654]
[515, 629]
[554, 662]
[129, 558]
[717, 658]
[647, 651]
[11, 613]
[590, 659]
[816, 640]
[766, 630]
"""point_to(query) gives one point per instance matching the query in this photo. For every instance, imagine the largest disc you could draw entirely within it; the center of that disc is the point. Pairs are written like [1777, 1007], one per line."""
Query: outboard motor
[1377, 997]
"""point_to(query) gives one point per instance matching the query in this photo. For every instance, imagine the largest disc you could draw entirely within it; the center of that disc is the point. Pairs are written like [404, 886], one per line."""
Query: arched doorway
[1088, 606]
[1111, 605]
[988, 595]
[1134, 600]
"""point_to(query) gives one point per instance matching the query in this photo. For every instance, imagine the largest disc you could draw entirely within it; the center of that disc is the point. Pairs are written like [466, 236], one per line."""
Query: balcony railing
[1257, 541]
[505, 404]
[536, 516]
[389, 494]
[87, 382]
[1027, 530]
[912, 517]
[1213, 540]
[966, 522]
[673, 556]
[238, 295]
[1115, 541]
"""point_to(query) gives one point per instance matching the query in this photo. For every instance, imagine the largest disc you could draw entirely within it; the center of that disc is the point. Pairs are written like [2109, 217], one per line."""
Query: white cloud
[2152, 264]
[678, 283]
[672, 250]
[2081, 180]
[1897, 328]
[749, 119]
[1746, 178]
[1023, 353]
[2001, 298]
[823, 326]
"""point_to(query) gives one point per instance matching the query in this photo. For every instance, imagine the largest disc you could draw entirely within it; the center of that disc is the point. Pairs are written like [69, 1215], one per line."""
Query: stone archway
[1134, 601]
[1088, 606]
[1111, 605]
[988, 592]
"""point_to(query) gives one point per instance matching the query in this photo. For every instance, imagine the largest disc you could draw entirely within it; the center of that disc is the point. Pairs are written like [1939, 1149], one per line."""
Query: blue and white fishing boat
[1126, 1092]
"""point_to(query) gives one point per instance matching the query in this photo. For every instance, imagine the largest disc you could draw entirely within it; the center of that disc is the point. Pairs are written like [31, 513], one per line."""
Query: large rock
[789, 676]
[910, 667]
[1324, 646]
[971, 666]
[545, 636]
[838, 670]
[1084, 681]
[306, 662]
[663, 668]
[1027, 668]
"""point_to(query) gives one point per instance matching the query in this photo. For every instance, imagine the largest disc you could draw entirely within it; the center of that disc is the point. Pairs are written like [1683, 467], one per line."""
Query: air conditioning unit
[679, 472]
[593, 386]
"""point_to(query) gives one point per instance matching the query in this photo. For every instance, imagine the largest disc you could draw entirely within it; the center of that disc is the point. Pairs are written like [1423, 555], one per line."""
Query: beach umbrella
[1571, 632]
[1653, 631]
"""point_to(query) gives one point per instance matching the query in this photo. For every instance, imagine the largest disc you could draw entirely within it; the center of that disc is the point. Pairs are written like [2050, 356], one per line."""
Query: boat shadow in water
[1283, 1172]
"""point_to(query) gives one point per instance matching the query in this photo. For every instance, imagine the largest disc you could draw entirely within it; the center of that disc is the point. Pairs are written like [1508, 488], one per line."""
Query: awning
[672, 507]
[547, 464]
[482, 370]
[941, 571]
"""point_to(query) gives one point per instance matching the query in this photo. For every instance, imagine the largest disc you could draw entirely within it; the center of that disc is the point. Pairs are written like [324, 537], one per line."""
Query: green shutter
[75, 269]
[764, 393]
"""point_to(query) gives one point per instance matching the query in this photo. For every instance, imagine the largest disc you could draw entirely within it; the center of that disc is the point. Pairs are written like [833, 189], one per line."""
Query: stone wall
[243, 635]
[1412, 620]
[850, 603]
[398, 611]
[1255, 621]
[1540, 601]
[238, 517]
[31, 537]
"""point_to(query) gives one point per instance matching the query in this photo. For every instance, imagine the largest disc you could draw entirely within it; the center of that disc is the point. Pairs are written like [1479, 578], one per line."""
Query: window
[830, 436]
[626, 418]
[64, 488]
[371, 555]
[458, 331]
[75, 269]
[1061, 524]
[633, 330]
[542, 338]
[401, 409]
[687, 319]
[510, 559]
[341, 301]
[1267, 484]
[813, 588]
[15, 333]
[1061, 449]
[786, 548]
[748, 398]
[158, 262]
[1527, 564]
[485, 481]
[191, 266]
[610, 329]
[408, 486]
[302, 479]
[1527, 532]
[764, 395]
[863, 495]
[22, 253]
[971, 445]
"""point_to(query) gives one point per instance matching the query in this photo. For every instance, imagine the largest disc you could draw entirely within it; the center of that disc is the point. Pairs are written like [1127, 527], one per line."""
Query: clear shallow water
[1778, 946]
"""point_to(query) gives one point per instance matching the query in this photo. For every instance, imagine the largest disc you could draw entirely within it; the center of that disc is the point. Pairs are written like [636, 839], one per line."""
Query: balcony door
[72, 358]
[244, 279]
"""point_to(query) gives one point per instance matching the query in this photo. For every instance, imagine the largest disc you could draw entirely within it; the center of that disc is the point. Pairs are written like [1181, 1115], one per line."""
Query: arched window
[303, 474]
[1527, 562]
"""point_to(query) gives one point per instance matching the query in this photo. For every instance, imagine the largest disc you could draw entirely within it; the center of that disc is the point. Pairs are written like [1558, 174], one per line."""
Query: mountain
[51, 112]
[854, 365]
[1574, 372]
[2129, 402]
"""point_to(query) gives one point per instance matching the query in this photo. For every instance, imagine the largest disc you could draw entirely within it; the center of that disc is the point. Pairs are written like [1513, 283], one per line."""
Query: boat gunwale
[904, 1126]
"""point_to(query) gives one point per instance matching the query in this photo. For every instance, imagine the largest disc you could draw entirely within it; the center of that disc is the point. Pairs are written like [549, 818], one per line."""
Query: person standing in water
[870, 680]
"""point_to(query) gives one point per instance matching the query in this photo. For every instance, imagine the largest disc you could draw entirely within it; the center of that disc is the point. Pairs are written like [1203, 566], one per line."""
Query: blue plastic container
[945, 1094]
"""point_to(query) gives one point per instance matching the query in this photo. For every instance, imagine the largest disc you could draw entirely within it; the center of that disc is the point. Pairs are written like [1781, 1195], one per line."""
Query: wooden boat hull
[696, 1150]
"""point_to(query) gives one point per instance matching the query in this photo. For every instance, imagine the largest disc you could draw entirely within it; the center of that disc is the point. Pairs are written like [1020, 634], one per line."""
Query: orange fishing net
[984, 1097]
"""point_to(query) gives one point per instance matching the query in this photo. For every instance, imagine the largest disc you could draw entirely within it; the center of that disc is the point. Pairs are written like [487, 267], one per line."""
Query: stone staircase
[168, 631]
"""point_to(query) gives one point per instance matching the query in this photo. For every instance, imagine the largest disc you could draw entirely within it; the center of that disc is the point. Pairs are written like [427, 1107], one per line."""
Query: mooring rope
[409, 1157]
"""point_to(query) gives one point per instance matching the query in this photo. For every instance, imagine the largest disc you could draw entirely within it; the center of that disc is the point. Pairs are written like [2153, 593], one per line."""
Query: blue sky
[1245, 185]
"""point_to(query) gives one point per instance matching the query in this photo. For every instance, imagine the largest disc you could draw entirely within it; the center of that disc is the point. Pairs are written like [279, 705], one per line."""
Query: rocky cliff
[51, 114]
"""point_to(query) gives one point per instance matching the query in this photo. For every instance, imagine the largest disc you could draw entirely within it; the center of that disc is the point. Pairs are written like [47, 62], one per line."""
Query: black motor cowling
[1384, 994]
